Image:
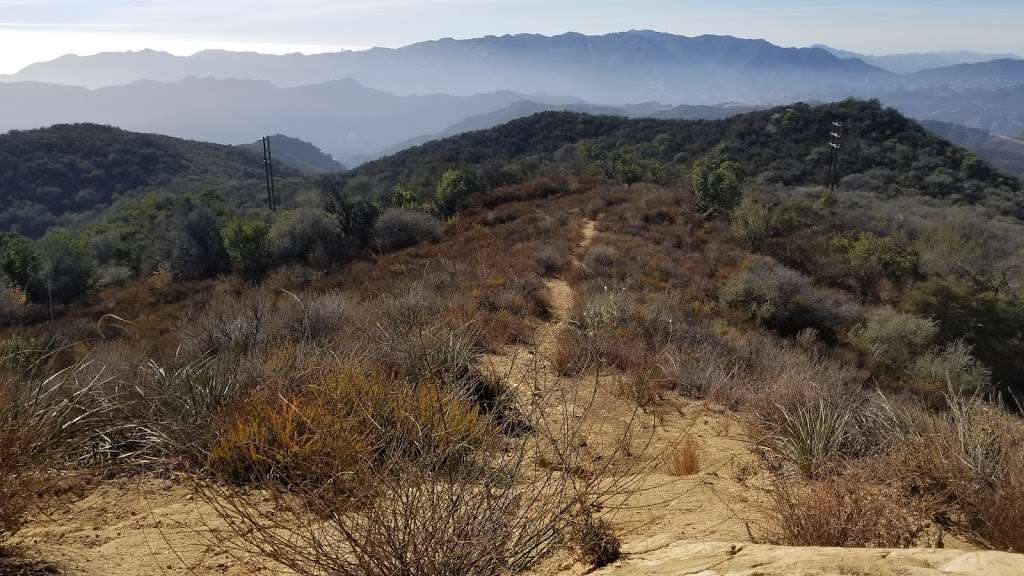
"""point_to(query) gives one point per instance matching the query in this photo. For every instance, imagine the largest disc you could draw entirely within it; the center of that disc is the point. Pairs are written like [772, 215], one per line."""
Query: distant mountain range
[357, 106]
[917, 61]
[341, 117]
[635, 66]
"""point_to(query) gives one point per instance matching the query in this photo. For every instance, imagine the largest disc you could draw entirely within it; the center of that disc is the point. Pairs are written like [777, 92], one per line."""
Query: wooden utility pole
[268, 168]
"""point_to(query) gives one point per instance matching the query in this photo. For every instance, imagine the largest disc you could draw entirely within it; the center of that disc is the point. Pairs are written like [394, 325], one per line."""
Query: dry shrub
[594, 540]
[567, 357]
[641, 385]
[322, 435]
[973, 454]
[846, 511]
[434, 500]
[685, 460]
[1003, 514]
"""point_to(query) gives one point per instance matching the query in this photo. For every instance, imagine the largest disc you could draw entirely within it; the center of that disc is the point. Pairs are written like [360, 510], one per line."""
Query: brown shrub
[846, 511]
[972, 454]
[322, 435]
[641, 385]
[435, 501]
[594, 540]
[685, 460]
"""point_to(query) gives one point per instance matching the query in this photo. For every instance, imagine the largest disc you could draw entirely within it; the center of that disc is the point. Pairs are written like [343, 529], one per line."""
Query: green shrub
[248, 244]
[752, 223]
[307, 235]
[813, 436]
[19, 260]
[68, 269]
[953, 367]
[992, 324]
[872, 258]
[198, 251]
[398, 228]
[454, 188]
[890, 341]
[785, 300]
[716, 183]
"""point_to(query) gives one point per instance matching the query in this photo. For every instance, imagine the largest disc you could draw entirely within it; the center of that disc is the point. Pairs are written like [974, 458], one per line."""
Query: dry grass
[43, 423]
[848, 511]
[686, 459]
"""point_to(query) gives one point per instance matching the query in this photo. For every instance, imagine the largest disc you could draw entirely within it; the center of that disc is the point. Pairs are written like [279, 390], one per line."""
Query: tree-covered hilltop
[52, 176]
[297, 154]
[883, 150]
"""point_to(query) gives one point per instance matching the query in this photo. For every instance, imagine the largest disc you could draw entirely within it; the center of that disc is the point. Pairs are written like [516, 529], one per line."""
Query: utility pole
[836, 135]
[268, 168]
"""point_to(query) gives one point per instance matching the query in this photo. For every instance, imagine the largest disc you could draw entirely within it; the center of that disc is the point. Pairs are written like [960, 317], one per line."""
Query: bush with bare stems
[428, 495]
[848, 510]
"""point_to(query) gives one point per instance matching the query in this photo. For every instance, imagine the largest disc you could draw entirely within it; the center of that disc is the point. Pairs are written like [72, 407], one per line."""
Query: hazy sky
[33, 30]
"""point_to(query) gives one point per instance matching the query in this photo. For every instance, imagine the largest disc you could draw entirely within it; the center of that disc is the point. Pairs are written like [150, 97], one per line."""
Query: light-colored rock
[682, 558]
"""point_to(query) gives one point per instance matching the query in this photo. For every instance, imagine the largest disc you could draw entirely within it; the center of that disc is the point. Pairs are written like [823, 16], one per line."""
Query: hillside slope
[1004, 152]
[297, 154]
[71, 169]
[1000, 111]
[782, 145]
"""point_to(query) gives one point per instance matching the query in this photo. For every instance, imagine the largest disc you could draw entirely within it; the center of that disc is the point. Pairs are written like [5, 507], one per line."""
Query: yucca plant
[812, 436]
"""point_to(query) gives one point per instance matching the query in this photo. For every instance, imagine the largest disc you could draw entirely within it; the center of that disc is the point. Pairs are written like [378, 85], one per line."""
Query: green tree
[248, 244]
[198, 251]
[68, 269]
[454, 188]
[406, 198]
[625, 167]
[871, 258]
[20, 261]
[716, 183]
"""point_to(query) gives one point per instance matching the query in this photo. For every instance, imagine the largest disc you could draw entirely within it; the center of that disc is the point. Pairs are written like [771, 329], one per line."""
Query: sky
[37, 30]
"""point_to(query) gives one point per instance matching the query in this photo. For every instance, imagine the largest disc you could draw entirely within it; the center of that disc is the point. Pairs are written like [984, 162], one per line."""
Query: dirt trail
[715, 503]
[702, 524]
[563, 297]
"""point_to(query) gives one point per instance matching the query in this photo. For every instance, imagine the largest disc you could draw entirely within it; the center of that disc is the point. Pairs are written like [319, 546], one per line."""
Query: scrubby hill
[781, 145]
[52, 174]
